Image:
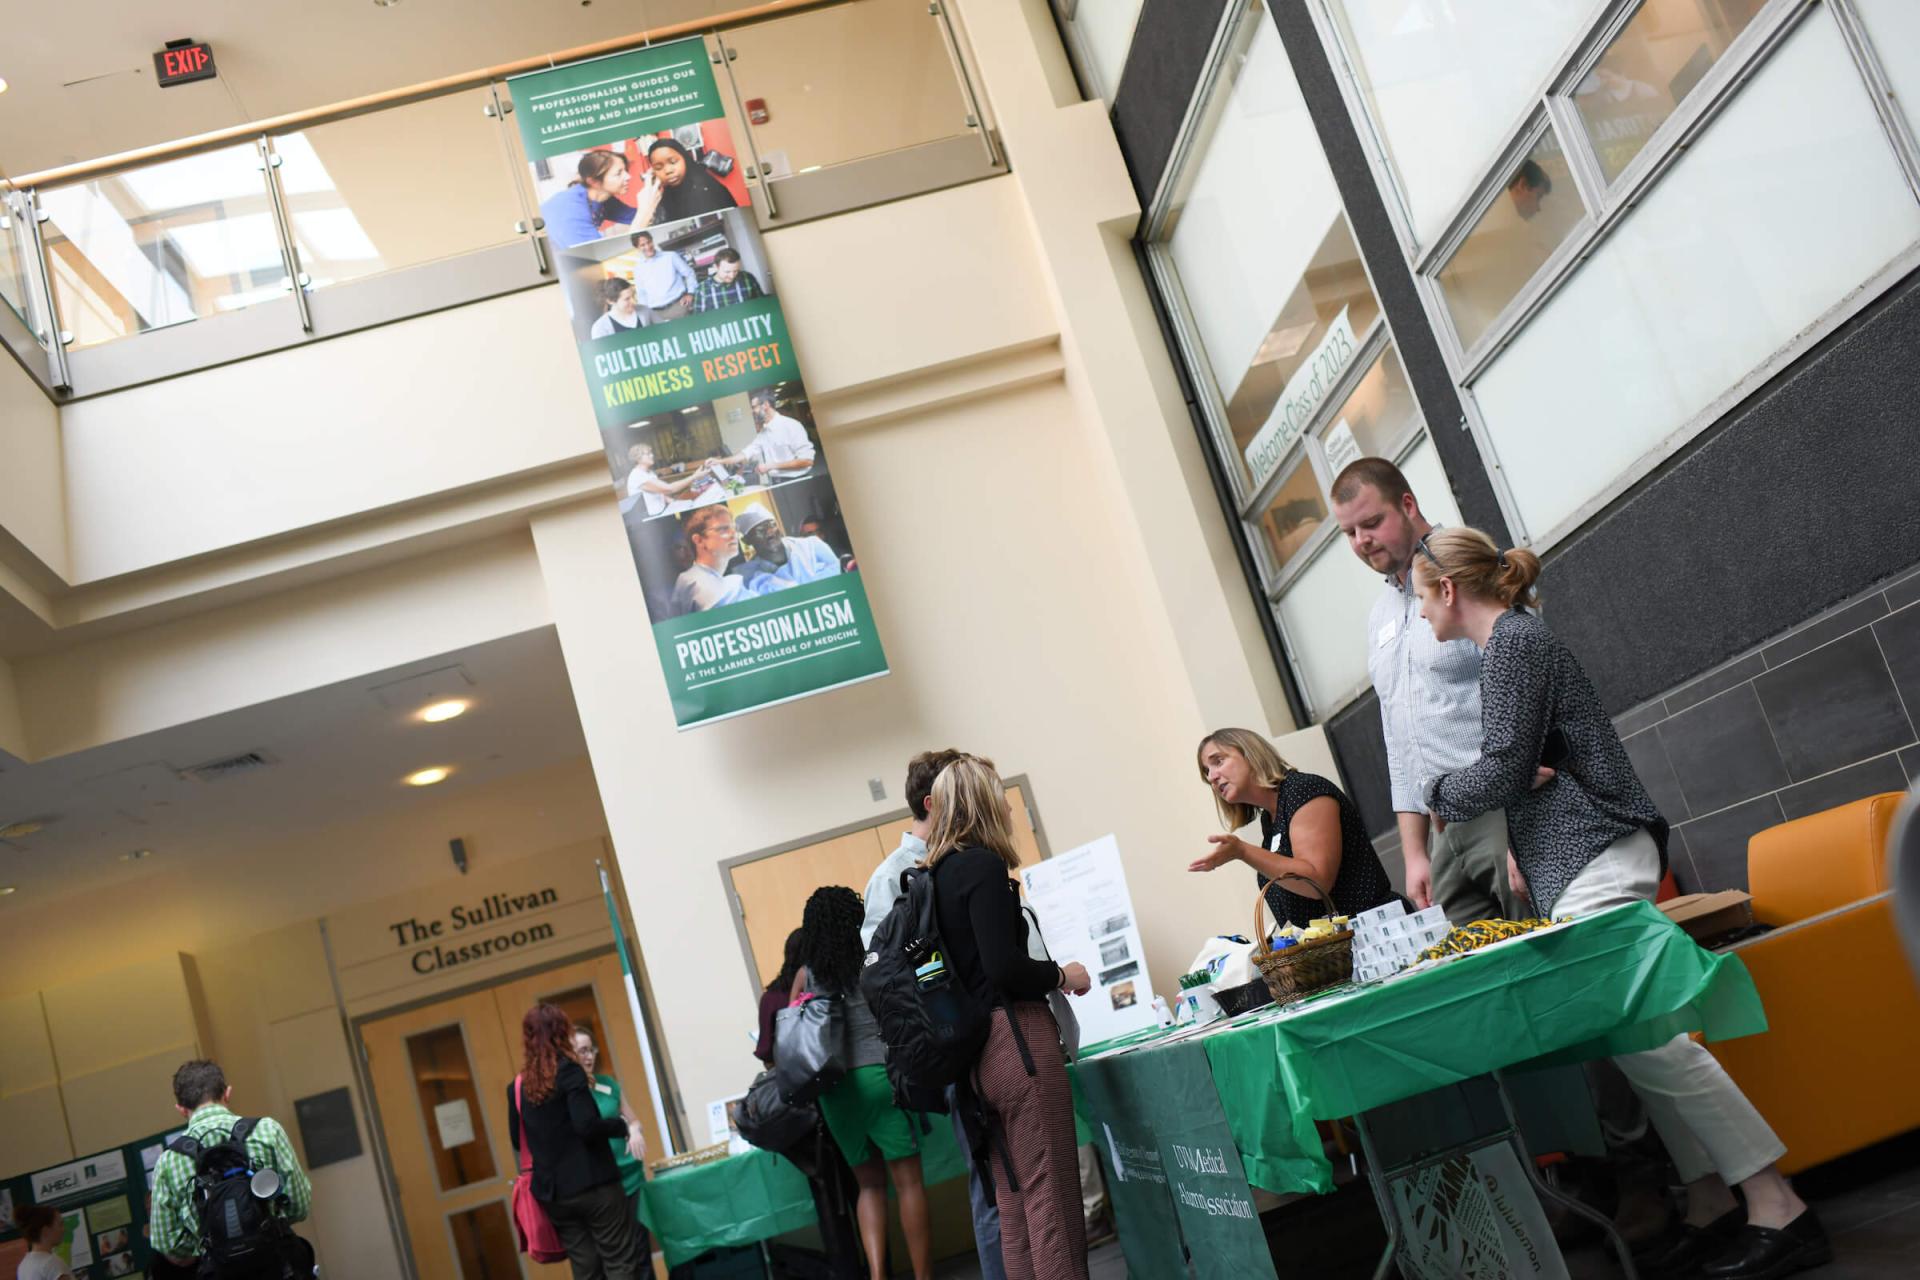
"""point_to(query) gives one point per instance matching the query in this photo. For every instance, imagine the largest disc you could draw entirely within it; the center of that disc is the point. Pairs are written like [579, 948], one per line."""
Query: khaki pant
[1469, 861]
[1707, 1124]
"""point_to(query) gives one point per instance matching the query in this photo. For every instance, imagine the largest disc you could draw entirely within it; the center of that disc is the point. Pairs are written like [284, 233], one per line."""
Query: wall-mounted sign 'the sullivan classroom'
[183, 62]
[496, 907]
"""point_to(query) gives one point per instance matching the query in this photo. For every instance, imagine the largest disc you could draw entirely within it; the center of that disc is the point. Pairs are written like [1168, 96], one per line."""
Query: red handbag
[531, 1226]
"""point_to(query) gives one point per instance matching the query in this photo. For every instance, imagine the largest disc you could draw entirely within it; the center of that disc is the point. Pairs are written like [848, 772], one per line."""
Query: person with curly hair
[550, 1108]
[875, 1136]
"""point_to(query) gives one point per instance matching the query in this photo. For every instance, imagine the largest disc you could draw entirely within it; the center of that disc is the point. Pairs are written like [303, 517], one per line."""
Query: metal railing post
[283, 227]
[40, 287]
[976, 118]
[724, 60]
[531, 224]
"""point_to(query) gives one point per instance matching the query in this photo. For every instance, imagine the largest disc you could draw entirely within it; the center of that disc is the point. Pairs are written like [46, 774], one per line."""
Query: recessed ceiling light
[25, 827]
[427, 777]
[5, 889]
[134, 855]
[447, 710]
[3, 84]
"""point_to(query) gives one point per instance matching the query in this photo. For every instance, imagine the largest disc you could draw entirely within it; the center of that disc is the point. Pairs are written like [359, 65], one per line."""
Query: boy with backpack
[228, 1190]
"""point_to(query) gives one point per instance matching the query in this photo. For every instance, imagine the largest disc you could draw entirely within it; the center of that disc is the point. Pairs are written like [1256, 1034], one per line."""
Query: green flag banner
[753, 589]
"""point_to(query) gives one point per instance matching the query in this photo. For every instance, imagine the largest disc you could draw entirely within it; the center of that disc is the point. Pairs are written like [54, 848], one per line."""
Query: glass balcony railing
[162, 245]
[145, 270]
[397, 188]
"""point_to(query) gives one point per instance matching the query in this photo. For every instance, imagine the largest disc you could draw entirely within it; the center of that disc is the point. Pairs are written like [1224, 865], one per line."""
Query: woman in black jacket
[1586, 836]
[1043, 1234]
[550, 1108]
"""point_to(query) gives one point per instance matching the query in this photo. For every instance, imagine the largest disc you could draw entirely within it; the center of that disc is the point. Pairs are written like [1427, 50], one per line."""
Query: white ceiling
[339, 756]
[81, 72]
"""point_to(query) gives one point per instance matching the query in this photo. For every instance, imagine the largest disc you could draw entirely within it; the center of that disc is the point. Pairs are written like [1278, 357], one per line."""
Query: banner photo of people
[751, 580]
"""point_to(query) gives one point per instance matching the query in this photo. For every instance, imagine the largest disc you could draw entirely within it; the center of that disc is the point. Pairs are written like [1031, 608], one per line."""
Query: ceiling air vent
[232, 766]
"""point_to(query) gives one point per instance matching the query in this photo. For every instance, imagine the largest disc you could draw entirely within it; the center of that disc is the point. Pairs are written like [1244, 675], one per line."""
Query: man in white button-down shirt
[1429, 702]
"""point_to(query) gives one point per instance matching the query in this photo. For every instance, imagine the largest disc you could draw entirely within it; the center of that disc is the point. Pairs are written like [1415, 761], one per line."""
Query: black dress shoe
[1767, 1253]
[1684, 1252]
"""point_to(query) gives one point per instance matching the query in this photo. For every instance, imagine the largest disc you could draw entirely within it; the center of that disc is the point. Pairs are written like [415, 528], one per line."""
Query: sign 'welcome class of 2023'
[753, 590]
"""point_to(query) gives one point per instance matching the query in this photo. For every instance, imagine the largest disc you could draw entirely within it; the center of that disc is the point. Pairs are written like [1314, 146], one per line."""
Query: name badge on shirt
[1273, 845]
[601, 1088]
[1384, 637]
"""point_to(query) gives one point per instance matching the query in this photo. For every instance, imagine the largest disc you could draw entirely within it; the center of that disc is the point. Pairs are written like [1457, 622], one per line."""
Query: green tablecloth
[756, 1196]
[1621, 981]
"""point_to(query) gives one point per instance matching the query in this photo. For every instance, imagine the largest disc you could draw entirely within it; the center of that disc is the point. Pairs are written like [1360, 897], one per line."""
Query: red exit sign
[181, 63]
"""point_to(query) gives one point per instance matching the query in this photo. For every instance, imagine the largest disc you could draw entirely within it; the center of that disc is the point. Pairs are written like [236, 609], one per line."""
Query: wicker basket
[1305, 967]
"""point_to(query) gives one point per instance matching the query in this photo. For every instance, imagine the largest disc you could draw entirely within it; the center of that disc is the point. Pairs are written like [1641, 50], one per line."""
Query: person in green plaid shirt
[200, 1093]
[727, 284]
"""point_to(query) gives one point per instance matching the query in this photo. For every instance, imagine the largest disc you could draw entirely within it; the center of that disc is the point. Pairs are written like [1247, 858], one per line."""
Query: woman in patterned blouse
[1586, 837]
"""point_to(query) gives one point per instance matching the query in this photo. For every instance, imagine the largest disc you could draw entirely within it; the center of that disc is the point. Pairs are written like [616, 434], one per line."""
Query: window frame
[1608, 205]
[1238, 26]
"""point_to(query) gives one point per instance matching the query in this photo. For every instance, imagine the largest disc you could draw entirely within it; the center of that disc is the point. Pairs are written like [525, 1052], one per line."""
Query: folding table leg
[1553, 1193]
[1382, 1199]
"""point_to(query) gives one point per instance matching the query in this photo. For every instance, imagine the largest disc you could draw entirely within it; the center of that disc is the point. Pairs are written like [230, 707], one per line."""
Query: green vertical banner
[753, 589]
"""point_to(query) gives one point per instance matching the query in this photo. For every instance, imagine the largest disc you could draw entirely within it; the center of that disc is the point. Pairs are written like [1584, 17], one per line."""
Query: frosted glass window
[1429, 482]
[1294, 514]
[1106, 32]
[1256, 213]
[1737, 249]
[1324, 610]
[1324, 615]
[1655, 61]
[1894, 27]
[1445, 80]
[1532, 216]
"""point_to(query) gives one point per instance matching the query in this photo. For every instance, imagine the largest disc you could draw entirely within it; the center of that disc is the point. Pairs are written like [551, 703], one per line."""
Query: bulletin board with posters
[104, 1200]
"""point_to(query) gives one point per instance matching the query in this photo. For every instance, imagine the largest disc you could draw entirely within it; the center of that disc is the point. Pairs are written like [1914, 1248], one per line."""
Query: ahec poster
[1087, 915]
[752, 586]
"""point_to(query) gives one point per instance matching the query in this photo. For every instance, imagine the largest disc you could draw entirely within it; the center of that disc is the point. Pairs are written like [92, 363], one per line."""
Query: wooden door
[441, 1073]
[594, 994]
[771, 893]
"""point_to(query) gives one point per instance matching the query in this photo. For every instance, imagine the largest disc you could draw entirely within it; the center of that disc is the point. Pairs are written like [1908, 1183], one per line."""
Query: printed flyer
[752, 584]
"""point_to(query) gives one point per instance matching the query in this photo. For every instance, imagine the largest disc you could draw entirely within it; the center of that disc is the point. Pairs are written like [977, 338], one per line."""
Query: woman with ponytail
[1586, 836]
[574, 214]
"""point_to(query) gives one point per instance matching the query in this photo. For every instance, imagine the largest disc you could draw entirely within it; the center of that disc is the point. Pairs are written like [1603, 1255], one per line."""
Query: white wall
[181, 468]
[32, 509]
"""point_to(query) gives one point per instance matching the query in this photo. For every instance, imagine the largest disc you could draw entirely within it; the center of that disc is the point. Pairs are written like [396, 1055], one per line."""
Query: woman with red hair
[550, 1109]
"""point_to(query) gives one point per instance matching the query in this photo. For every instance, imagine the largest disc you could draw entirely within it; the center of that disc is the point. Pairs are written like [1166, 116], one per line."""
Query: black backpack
[934, 1028]
[242, 1235]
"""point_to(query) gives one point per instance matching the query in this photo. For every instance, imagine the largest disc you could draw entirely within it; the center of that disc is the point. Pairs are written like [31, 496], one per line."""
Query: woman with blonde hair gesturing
[1308, 827]
[1021, 1076]
[1586, 837]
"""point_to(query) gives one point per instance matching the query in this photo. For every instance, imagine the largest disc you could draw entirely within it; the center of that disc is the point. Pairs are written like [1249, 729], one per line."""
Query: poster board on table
[753, 589]
[1086, 915]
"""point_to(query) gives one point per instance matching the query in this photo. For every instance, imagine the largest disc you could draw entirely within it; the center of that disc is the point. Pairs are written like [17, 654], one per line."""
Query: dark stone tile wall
[1813, 719]
[1170, 44]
